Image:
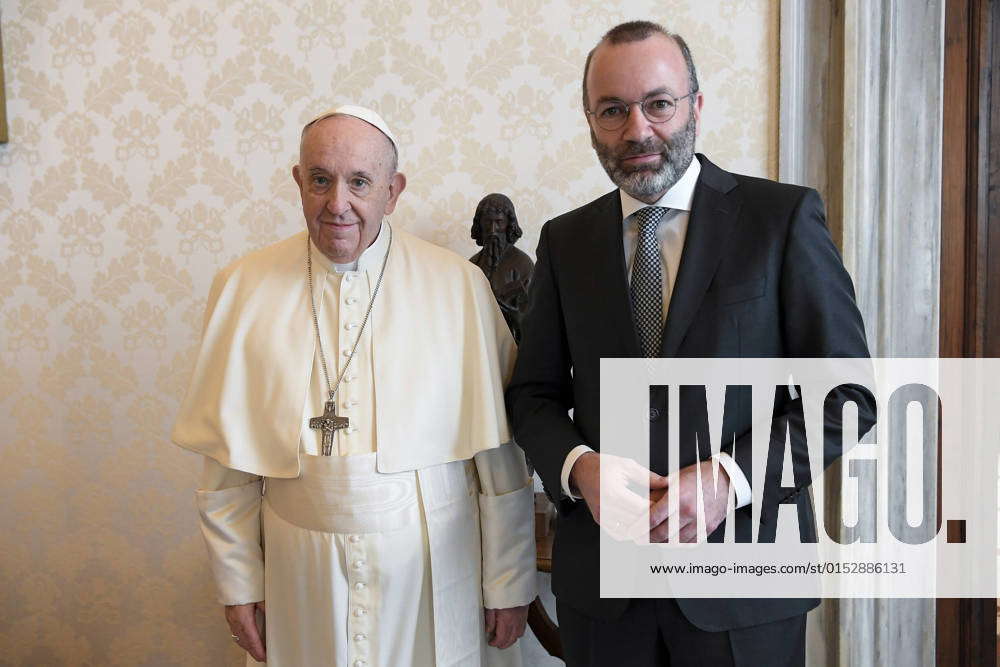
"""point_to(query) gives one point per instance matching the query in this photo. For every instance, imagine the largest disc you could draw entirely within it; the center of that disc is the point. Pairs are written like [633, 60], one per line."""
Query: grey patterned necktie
[647, 281]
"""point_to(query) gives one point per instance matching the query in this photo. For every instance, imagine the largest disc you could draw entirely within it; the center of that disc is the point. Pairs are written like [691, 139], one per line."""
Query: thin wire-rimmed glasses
[657, 108]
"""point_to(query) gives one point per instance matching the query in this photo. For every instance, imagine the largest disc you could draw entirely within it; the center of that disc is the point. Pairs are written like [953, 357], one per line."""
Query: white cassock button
[350, 404]
[358, 564]
[360, 663]
[351, 325]
[355, 539]
[346, 353]
[350, 378]
[360, 586]
[359, 612]
[351, 300]
[360, 637]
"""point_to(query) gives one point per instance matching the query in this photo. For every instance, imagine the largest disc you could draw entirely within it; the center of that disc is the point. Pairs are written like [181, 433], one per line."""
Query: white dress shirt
[670, 233]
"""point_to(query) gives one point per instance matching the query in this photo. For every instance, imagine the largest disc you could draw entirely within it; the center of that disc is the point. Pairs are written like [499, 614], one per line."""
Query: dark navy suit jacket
[759, 277]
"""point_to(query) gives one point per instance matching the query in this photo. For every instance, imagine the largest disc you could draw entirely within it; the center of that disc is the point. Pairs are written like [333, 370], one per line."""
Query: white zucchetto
[361, 113]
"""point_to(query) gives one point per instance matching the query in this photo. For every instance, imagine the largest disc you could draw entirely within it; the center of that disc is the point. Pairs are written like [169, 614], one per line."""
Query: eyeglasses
[659, 108]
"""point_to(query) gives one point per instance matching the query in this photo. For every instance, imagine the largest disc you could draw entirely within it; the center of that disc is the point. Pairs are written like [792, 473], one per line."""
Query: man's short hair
[636, 31]
[503, 204]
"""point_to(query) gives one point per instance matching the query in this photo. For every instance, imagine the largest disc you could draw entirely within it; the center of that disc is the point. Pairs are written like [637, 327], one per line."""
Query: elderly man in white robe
[348, 400]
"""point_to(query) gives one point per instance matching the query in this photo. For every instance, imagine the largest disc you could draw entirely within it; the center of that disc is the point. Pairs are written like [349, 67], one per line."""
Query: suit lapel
[608, 265]
[714, 213]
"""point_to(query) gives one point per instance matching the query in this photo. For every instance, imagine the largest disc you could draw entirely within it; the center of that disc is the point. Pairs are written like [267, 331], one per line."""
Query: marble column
[861, 121]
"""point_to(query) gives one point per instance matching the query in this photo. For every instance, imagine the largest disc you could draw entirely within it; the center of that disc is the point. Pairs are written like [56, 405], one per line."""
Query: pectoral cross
[329, 422]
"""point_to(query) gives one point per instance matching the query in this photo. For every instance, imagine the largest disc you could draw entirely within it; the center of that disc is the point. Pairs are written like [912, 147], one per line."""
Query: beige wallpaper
[151, 142]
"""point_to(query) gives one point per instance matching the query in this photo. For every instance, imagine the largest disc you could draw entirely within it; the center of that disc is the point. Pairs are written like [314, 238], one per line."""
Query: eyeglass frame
[642, 107]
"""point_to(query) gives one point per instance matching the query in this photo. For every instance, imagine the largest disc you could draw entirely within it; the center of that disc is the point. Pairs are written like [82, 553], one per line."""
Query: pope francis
[348, 401]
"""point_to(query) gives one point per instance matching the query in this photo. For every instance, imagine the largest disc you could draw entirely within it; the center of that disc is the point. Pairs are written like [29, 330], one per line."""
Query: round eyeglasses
[659, 108]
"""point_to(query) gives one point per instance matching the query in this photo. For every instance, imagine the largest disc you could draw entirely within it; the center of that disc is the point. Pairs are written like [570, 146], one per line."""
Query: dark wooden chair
[545, 630]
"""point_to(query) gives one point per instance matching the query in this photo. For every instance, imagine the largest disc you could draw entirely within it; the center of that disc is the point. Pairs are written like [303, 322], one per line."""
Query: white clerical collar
[370, 259]
[680, 196]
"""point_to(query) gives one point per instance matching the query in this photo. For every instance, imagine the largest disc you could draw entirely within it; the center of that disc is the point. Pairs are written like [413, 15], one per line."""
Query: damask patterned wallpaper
[150, 144]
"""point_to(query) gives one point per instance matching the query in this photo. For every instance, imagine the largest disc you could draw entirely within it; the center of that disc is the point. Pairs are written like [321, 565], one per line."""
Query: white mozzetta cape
[441, 354]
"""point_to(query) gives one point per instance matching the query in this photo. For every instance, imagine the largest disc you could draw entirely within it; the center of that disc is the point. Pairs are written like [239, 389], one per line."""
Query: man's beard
[646, 182]
[493, 249]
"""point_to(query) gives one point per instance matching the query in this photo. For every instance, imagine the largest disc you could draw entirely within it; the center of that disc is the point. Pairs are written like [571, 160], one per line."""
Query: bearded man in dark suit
[683, 260]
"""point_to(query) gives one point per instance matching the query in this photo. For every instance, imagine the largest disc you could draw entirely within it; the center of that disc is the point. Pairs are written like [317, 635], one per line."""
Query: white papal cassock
[386, 552]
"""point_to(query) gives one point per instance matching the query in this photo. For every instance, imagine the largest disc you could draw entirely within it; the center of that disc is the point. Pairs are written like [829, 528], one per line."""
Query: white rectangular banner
[869, 525]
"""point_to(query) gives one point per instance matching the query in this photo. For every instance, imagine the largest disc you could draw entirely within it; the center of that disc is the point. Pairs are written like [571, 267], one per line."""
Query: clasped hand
[617, 501]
